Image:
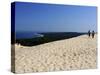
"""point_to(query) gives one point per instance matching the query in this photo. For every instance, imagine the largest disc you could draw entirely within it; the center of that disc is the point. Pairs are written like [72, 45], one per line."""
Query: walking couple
[91, 33]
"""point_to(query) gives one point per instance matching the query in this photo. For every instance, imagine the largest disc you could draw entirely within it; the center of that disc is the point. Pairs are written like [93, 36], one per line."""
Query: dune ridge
[68, 54]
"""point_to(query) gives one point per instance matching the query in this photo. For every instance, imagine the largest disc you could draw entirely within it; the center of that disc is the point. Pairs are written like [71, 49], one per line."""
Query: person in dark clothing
[89, 33]
[93, 33]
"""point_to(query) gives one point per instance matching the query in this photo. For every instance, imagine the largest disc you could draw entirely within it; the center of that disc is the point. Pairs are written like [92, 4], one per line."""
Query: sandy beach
[68, 54]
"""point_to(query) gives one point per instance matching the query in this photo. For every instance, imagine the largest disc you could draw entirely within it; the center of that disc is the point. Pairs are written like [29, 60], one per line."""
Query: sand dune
[68, 54]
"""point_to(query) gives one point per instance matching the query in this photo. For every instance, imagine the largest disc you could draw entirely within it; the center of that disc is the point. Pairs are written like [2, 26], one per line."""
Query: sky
[38, 17]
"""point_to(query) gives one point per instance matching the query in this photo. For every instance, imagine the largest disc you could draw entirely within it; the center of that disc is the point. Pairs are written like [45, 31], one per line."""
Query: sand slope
[69, 54]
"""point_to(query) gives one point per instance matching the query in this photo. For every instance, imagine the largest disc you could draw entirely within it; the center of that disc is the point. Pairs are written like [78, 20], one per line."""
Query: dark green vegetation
[48, 37]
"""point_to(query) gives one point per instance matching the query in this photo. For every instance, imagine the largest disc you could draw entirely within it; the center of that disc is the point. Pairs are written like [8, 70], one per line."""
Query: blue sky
[54, 18]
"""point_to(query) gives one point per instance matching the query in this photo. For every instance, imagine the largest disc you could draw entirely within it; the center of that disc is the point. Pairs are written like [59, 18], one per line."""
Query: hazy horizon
[50, 31]
[40, 17]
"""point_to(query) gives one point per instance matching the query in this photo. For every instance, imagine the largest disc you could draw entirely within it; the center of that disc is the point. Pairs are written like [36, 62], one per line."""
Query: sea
[27, 35]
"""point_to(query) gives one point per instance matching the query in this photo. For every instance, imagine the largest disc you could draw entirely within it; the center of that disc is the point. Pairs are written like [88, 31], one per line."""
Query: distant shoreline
[47, 37]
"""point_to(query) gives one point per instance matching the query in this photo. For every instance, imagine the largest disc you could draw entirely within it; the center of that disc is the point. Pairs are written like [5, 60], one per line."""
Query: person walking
[89, 33]
[93, 33]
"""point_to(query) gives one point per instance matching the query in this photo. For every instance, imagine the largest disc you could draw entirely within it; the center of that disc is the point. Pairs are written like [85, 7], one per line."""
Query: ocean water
[24, 35]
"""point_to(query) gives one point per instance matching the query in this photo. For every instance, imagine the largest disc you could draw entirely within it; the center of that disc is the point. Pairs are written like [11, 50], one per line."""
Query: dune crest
[68, 54]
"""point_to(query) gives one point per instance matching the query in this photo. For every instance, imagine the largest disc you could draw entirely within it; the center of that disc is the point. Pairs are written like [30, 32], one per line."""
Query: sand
[68, 54]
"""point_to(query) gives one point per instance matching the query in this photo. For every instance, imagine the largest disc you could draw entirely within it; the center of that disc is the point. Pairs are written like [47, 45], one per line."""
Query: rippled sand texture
[69, 54]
